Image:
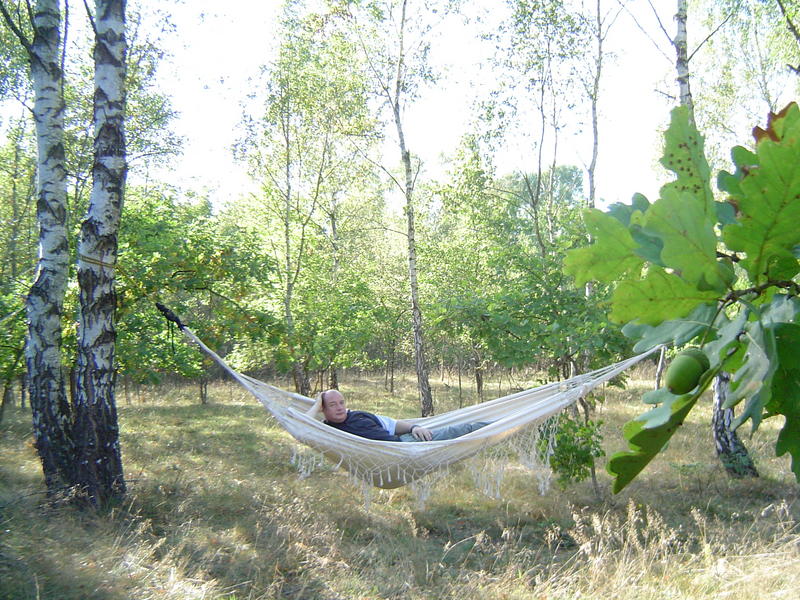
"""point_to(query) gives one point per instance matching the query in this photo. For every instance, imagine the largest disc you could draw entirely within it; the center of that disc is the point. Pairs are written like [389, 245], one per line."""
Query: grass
[216, 511]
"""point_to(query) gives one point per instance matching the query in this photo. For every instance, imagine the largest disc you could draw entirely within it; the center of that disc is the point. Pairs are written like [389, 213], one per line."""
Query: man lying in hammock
[378, 427]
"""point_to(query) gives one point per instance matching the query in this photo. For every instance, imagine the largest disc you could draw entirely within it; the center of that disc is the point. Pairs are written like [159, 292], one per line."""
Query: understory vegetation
[216, 510]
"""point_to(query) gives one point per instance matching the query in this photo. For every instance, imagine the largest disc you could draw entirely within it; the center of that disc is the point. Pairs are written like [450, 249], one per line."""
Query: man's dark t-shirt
[364, 424]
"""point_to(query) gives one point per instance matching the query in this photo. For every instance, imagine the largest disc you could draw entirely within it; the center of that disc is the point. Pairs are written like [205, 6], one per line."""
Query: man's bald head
[333, 406]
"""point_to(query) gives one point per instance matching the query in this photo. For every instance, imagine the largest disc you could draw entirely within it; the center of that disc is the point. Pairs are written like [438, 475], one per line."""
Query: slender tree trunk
[203, 390]
[730, 450]
[98, 457]
[8, 383]
[7, 399]
[423, 383]
[682, 59]
[23, 390]
[46, 386]
[425, 396]
[14, 200]
[333, 379]
[662, 362]
[594, 96]
[478, 373]
[460, 386]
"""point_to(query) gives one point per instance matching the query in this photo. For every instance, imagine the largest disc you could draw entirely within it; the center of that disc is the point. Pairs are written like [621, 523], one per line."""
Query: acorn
[685, 370]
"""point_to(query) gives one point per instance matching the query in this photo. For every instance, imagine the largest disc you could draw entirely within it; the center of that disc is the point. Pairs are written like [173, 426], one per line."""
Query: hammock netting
[519, 421]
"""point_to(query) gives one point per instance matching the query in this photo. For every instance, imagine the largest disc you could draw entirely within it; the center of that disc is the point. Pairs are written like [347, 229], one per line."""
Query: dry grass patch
[217, 511]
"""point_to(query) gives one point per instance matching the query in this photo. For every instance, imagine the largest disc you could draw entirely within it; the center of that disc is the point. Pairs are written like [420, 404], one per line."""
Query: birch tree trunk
[593, 91]
[423, 383]
[99, 473]
[45, 300]
[730, 450]
[682, 58]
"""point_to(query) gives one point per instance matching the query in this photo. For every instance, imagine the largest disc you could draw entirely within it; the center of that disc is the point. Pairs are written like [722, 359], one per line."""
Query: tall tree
[78, 445]
[394, 38]
[542, 54]
[96, 433]
[597, 24]
[45, 302]
[297, 148]
[731, 451]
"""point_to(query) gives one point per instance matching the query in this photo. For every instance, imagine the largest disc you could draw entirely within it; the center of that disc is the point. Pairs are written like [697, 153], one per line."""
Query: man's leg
[448, 433]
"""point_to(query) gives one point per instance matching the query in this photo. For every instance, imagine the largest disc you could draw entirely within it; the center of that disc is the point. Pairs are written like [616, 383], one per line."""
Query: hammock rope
[393, 464]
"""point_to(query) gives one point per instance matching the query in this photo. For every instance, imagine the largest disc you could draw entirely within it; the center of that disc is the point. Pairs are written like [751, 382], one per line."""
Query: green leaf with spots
[684, 156]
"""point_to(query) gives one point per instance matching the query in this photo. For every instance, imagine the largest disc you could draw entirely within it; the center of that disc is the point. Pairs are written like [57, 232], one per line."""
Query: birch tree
[394, 38]
[597, 23]
[543, 52]
[297, 149]
[45, 301]
[78, 445]
[98, 464]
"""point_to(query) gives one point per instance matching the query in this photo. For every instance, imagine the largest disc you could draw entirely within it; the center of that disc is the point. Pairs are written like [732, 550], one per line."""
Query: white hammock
[393, 464]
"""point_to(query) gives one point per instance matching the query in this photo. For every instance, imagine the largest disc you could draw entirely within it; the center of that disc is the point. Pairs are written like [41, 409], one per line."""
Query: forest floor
[216, 511]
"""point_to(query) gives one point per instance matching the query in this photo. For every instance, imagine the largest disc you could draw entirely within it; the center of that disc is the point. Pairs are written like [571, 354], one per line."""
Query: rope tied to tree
[98, 262]
[171, 318]
[169, 315]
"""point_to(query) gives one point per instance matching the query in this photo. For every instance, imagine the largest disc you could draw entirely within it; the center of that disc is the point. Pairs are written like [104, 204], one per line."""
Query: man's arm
[423, 434]
[315, 411]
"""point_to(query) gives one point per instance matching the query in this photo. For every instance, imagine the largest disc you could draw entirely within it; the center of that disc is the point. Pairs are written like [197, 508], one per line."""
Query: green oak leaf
[650, 243]
[684, 156]
[726, 213]
[768, 199]
[658, 396]
[782, 308]
[612, 256]
[675, 331]
[658, 297]
[690, 244]
[646, 442]
[752, 380]
[623, 212]
[721, 349]
[785, 398]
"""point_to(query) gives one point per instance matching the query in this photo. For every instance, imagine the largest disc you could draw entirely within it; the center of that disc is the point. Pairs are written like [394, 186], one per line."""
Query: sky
[219, 46]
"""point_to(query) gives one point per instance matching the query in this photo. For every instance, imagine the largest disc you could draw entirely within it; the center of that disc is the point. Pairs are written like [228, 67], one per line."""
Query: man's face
[333, 407]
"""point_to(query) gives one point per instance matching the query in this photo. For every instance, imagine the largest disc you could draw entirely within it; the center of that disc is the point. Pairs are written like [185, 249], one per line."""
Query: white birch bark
[44, 304]
[96, 433]
[423, 383]
[731, 451]
[682, 58]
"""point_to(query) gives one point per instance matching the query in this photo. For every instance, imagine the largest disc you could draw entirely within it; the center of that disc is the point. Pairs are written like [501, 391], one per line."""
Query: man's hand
[421, 433]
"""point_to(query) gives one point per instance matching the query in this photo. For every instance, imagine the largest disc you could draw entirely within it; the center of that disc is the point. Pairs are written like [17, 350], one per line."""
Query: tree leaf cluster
[719, 273]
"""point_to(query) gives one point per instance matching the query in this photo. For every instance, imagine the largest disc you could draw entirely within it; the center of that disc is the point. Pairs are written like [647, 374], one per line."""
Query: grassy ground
[216, 511]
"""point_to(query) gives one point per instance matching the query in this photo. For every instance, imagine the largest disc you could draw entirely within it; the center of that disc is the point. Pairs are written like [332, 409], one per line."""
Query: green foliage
[577, 445]
[504, 298]
[721, 273]
[202, 268]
